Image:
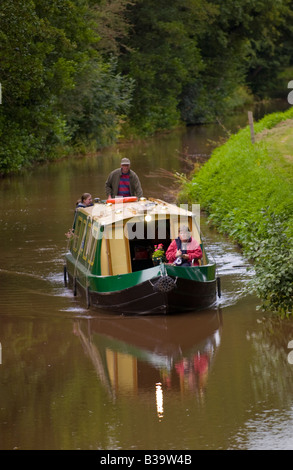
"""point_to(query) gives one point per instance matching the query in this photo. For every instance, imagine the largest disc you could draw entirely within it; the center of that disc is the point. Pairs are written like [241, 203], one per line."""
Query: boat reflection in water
[133, 355]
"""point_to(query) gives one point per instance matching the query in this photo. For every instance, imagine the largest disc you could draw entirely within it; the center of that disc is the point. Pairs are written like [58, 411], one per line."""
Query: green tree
[98, 105]
[244, 46]
[190, 59]
[74, 71]
[270, 47]
[38, 65]
[162, 57]
[58, 87]
[111, 24]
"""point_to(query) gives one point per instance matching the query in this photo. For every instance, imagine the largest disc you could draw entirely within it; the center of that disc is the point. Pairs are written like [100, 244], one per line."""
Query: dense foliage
[197, 59]
[58, 90]
[78, 74]
[247, 190]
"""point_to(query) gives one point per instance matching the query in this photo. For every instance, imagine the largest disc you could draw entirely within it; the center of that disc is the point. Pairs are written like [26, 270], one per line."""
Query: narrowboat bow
[109, 259]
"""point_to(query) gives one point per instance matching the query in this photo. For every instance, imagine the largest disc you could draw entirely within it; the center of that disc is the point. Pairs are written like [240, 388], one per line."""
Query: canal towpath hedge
[247, 190]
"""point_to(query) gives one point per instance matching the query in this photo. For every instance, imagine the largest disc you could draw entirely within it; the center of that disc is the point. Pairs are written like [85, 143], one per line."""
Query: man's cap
[125, 161]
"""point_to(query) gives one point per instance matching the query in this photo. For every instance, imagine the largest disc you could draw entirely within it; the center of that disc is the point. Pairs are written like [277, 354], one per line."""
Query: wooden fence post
[250, 120]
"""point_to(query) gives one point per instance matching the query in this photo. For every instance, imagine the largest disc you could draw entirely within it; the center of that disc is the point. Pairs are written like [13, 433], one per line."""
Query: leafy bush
[273, 259]
[98, 104]
[248, 195]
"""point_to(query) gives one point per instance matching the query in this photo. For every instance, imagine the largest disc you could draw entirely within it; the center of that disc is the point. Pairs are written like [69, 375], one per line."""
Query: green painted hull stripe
[123, 281]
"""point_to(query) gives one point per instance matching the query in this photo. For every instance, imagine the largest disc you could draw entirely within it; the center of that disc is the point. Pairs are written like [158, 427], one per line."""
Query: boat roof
[107, 213]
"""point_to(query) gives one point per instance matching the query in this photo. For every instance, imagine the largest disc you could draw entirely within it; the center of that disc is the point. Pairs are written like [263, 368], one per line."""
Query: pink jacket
[193, 251]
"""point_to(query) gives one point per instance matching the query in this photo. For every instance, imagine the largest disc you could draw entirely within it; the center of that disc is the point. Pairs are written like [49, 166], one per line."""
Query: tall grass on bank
[247, 190]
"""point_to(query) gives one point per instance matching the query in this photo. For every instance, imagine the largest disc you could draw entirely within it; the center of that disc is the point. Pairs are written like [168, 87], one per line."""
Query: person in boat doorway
[184, 250]
[123, 182]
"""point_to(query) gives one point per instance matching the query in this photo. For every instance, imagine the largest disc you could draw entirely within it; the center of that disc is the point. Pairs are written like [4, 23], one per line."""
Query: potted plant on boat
[158, 255]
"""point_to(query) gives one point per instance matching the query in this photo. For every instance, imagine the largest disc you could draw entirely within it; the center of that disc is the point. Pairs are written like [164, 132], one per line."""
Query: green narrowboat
[110, 259]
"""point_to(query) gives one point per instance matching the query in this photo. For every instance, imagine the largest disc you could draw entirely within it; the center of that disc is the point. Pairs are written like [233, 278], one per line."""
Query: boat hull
[147, 298]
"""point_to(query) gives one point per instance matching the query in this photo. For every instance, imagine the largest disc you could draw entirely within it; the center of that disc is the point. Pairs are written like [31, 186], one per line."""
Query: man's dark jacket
[112, 184]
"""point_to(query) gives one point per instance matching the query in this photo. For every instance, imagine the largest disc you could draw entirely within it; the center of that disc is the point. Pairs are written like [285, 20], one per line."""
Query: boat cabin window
[90, 244]
[143, 236]
[79, 226]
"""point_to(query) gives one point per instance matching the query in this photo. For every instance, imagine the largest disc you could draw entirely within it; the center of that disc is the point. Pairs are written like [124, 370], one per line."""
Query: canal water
[72, 378]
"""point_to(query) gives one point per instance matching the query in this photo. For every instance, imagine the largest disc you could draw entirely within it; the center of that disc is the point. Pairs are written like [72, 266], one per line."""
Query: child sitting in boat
[86, 200]
[184, 250]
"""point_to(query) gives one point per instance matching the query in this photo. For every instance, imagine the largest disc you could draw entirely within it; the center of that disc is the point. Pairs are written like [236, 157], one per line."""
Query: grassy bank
[247, 190]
